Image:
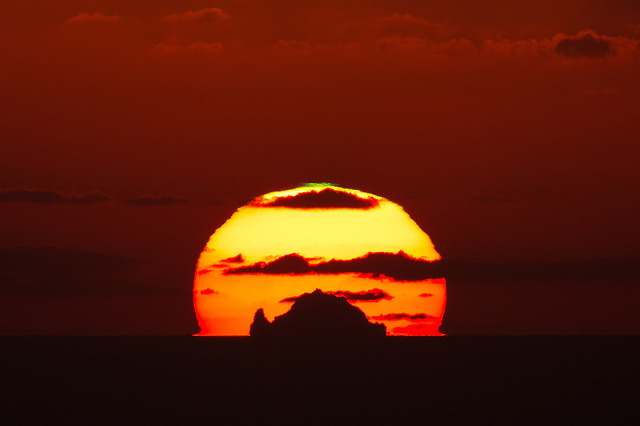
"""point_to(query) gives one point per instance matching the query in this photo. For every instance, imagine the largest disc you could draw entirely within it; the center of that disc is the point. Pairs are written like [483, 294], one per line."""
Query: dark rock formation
[318, 315]
[260, 324]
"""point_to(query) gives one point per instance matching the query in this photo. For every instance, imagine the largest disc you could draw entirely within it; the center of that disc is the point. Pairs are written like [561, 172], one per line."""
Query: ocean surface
[393, 380]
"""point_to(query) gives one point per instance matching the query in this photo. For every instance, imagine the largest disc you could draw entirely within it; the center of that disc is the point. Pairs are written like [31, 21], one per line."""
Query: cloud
[325, 199]
[395, 25]
[373, 295]
[403, 316]
[293, 46]
[85, 17]
[150, 201]
[289, 264]
[407, 25]
[50, 271]
[518, 47]
[235, 259]
[417, 329]
[209, 14]
[395, 266]
[46, 260]
[584, 44]
[43, 196]
[425, 46]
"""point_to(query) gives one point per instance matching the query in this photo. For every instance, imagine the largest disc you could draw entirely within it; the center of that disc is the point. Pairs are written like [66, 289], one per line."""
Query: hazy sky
[508, 129]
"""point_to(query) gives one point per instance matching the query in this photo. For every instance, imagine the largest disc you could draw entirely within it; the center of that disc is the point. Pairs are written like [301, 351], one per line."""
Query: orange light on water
[319, 223]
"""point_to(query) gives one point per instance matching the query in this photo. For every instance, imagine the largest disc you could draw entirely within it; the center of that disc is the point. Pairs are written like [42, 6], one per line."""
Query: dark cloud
[373, 295]
[402, 316]
[55, 271]
[150, 201]
[43, 196]
[48, 260]
[289, 264]
[235, 259]
[416, 329]
[325, 199]
[396, 266]
[586, 44]
[426, 295]
[208, 291]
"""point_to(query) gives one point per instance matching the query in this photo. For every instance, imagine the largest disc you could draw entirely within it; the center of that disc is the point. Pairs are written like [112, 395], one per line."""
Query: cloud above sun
[325, 199]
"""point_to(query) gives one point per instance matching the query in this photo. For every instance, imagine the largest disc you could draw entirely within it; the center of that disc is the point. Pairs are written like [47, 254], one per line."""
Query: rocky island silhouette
[318, 315]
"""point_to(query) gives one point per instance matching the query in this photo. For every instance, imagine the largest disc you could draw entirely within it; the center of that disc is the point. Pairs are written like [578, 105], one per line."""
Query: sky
[130, 131]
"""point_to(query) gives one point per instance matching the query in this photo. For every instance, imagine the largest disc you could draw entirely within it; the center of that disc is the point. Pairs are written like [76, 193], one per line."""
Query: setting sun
[319, 236]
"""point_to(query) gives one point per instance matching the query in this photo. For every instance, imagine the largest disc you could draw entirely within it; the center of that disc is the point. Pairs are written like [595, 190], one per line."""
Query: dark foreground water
[442, 380]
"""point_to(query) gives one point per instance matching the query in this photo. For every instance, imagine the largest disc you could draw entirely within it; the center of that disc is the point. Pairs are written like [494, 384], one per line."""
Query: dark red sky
[508, 129]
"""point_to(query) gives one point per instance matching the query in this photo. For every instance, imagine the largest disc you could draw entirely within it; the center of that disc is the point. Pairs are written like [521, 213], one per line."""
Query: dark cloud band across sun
[325, 199]
[395, 266]
[403, 316]
[373, 295]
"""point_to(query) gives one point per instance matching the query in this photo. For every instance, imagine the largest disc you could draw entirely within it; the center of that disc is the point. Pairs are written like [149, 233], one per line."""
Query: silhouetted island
[318, 315]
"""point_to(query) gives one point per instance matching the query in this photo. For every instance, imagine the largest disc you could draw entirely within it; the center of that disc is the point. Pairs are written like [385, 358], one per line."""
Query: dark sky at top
[508, 130]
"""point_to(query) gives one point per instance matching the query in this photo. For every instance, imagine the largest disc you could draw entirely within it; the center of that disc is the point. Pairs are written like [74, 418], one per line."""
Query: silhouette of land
[318, 315]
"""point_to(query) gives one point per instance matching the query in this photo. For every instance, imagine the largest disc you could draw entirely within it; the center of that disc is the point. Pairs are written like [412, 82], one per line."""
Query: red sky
[508, 130]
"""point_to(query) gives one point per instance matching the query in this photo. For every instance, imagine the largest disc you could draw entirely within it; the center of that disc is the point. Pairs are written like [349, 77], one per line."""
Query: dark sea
[187, 380]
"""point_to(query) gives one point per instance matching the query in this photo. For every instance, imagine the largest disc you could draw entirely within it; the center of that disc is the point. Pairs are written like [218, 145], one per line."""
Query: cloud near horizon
[54, 260]
[44, 196]
[151, 201]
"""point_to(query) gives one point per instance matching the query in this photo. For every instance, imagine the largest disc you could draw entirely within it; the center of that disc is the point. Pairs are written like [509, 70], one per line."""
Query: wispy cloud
[85, 17]
[208, 14]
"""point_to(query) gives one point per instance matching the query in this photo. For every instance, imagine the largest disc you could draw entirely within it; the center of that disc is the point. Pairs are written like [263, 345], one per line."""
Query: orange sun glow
[319, 236]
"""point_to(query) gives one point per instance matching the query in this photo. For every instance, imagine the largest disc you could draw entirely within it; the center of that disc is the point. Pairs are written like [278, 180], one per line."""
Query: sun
[319, 236]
